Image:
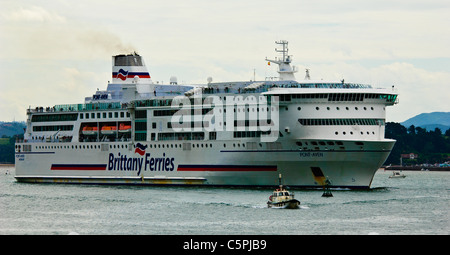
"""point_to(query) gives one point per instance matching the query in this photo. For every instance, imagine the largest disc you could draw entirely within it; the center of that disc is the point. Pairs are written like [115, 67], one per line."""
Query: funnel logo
[122, 74]
[140, 149]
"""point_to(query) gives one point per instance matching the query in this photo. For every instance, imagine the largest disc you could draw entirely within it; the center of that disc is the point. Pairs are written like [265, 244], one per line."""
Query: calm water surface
[417, 204]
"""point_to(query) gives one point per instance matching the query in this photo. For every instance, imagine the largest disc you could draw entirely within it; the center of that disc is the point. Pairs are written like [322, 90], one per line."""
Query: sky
[59, 51]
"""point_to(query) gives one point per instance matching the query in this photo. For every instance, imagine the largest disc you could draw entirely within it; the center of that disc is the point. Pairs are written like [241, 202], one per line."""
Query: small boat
[282, 198]
[396, 174]
[89, 130]
[108, 130]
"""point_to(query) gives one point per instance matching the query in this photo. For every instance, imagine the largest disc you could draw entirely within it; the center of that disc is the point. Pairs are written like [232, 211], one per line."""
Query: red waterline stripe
[239, 168]
[78, 167]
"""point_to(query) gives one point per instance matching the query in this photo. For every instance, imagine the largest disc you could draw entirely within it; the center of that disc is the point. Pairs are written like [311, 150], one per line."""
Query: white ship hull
[213, 166]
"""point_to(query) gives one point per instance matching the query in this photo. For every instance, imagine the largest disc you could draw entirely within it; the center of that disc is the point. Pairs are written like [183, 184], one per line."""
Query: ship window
[81, 116]
[104, 115]
[141, 114]
[87, 115]
[116, 114]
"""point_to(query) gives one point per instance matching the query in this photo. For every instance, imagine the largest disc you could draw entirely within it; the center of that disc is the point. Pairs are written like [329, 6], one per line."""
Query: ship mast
[285, 69]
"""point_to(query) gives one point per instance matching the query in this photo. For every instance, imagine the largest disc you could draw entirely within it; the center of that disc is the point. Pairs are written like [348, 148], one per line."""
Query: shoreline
[415, 168]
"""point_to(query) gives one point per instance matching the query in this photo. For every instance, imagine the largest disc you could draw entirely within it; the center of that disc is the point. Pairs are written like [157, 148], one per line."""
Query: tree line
[7, 149]
[431, 146]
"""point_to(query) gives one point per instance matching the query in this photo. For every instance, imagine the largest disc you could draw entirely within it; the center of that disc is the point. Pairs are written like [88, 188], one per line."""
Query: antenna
[284, 51]
[307, 77]
[285, 70]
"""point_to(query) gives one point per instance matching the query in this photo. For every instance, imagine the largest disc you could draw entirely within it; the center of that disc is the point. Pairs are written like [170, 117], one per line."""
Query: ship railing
[42, 139]
[78, 107]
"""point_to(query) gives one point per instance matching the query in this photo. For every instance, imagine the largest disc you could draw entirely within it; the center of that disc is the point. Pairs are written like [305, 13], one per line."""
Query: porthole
[317, 108]
[299, 108]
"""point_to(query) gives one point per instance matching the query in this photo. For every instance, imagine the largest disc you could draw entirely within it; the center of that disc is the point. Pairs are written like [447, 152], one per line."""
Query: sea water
[417, 204]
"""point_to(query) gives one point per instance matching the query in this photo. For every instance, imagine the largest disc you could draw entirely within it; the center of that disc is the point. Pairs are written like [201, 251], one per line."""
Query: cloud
[37, 33]
[59, 45]
[34, 14]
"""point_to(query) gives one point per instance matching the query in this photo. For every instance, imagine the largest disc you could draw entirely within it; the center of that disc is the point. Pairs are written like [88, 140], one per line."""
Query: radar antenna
[285, 69]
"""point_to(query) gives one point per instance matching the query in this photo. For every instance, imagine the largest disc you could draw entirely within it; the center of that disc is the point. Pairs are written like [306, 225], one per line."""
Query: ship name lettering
[311, 154]
[123, 163]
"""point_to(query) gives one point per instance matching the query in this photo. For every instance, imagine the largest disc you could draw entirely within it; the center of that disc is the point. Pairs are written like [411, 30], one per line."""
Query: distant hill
[430, 121]
[9, 129]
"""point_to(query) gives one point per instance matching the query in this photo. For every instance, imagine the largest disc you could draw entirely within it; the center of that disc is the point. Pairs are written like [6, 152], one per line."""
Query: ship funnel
[128, 69]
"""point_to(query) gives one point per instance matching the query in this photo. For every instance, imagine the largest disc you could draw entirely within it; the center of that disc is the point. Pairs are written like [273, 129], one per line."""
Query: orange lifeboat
[123, 128]
[108, 130]
[89, 130]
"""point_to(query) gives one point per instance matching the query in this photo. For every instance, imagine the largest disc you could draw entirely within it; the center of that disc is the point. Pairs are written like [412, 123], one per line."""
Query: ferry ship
[242, 133]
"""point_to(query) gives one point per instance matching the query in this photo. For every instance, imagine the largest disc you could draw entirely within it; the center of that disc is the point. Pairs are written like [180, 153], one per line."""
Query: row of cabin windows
[244, 134]
[54, 117]
[340, 122]
[125, 146]
[53, 128]
[176, 136]
[338, 96]
[104, 115]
